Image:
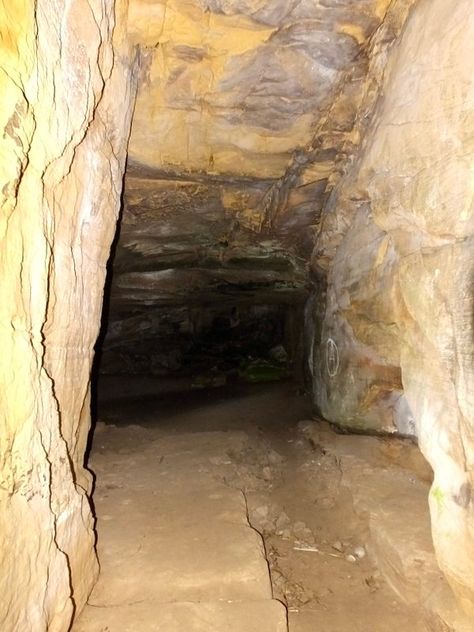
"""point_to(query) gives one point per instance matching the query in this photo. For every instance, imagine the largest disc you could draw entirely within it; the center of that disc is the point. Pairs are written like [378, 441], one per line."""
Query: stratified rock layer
[236, 87]
[394, 344]
[62, 159]
[243, 114]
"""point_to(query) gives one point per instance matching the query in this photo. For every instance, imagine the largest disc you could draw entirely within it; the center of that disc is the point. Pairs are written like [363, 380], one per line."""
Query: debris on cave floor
[317, 545]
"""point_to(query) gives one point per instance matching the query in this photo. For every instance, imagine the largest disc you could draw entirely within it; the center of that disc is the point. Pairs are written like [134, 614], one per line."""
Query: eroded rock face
[62, 158]
[244, 113]
[394, 344]
[236, 87]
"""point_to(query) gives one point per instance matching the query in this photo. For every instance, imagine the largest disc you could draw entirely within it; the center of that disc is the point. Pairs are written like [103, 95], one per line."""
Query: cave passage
[236, 317]
[223, 499]
[213, 344]
[193, 481]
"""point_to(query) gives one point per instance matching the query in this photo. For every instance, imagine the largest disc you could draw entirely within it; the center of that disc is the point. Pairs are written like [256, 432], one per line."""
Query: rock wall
[394, 342]
[234, 144]
[66, 79]
[235, 87]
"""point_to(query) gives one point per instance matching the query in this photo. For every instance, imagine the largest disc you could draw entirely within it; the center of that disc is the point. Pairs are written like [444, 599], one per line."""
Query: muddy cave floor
[180, 475]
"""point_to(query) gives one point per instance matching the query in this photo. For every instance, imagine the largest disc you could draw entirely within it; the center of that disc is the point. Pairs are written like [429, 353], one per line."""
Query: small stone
[303, 533]
[219, 460]
[282, 521]
[351, 558]
[372, 583]
[298, 526]
[267, 474]
[359, 552]
[338, 546]
[274, 458]
[305, 425]
[262, 511]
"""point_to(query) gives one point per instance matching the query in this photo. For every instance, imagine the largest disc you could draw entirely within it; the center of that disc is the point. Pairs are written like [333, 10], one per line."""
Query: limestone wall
[394, 339]
[67, 93]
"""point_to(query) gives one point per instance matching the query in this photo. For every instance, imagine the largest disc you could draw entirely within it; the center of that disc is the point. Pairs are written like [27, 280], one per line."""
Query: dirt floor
[332, 509]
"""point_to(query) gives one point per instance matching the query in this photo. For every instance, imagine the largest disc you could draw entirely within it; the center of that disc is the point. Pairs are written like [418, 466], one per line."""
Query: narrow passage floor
[187, 485]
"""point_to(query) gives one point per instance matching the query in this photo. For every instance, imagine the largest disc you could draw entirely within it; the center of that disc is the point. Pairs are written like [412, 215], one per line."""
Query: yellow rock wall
[394, 348]
[62, 153]
[236, 87]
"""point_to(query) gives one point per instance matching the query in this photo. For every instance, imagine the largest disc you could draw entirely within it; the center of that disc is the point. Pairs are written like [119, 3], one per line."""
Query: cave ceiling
[244, 119]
